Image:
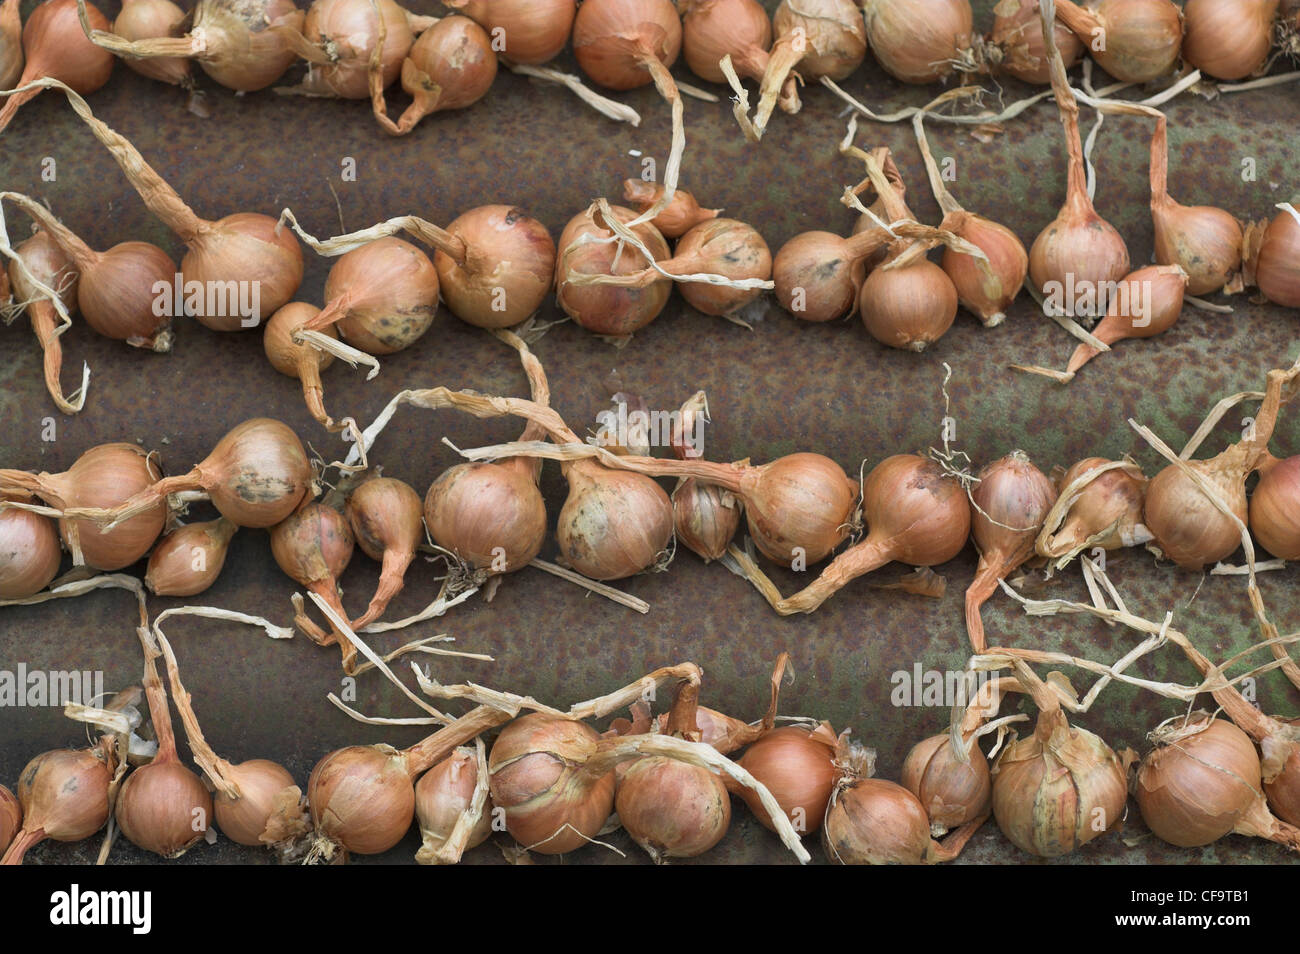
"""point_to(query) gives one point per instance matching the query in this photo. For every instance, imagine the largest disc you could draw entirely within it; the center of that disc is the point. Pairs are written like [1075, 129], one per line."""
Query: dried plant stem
[602, 589]
[611, 108]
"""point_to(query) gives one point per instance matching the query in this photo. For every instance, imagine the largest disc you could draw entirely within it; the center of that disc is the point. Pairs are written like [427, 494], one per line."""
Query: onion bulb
[871, 821]
[919, 41]
[1228, 39]
[147, 20]
[44, 260]
[1146, 303]
[443, 797]
[705, 517]
[797, 765]
[532, 31]
[1203, 781]
[613, 524]
[103, 477]
[490, 516]
[681, 215]
[64, 797]
[741, 29]
[313, 546]
[301, 361]
[1018, 38]
[1011, 500]
[30, 554]
[189, 559]
[11, 44]
[55, 47]
[908, 306]
[952, 792]
[1275, 508]
[608, 309]
[346, 32]
[819, 275]
[1277, 261]
[615, 41]
[452, 65]
[1135, 41]
[1095, 509]
[384, 516]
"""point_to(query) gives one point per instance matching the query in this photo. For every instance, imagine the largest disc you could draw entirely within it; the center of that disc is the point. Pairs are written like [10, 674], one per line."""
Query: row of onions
[555, 783]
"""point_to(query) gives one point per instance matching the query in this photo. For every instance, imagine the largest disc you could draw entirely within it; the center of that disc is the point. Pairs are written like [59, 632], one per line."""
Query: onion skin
[705, 518]
[833, 31]
[1019, 36]
[1228, 39]
[164, 808]
[11, 44]
[347, 31]
[1079, 243]
[30, 554]
[1203, 240]
[538, 781]
[797, 765]
[55, 46]
[1142, 37]
[442, 795]
[11, 818]
[244, 819]
[1008, 261]
[1188, 528]
[1110, 504]
[490, 516]
[871, 821]
[64, 797]
[1277, 268]
[105, 476]
[313, 546]
[916, 41]
[712, 29]
[952, 792]
[257, 474]
[611, 38]
[681, 215]
[188, 560]
[722, 247]
[609, 309]
[117, 292]
[245, 247]
[361, 798]
[148, 19]
[908, 308]
[535, 31]
[246, 51]
[1283, 789]
[505, 249]
[1275, 509]
[673, 809]
[613, 524]
[301, 361]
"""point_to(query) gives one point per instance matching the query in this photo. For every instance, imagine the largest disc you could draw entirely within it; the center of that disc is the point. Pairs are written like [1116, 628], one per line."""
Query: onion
[496, 267]
[1059, 788]
[257, 475]
[245, 45]
[818, 275]
[952, 792]
[908, 307]
[1277, 272]
[64, 797]
[1203, 781]
[608, 309]
[383, 296]
[11, 818]
[44, 260]
[30, 554]
[313, 546]
[1018, 38]
[621, 43]
[103, 476]
[721, 247]
[1103, 510]
[919, 41]
[705, 517]
[11, 44]
[301, 361]
[118, 289]
[727, 734]
[1275, 508]
[151, 19]
[741, 29]
[797, 765]
[681, 215]
[1188, 528]
[490, 516]
[444, 795]
[189, 559]
[55, 47]
[384, 515]
[1011, 500]
[613, 524]
[346, 32]
[871, 821]
[533, 31]
[1205, 241]
[1146, 303]
[1079, 250]
[1228, 39]
[452, 65]
[362, 797]
[1139, 40]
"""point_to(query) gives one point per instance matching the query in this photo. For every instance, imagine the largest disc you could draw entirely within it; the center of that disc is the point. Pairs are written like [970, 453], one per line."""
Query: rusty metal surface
[781, 387]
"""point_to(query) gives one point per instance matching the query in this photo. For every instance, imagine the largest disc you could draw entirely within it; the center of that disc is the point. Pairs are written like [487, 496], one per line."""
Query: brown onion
[1228, 39]
[1146, 303]
[723, 247]
[908, 307]
[11, 44]
[1203, 781]
[616, 40]
[313, 546]
[11, 818]
[346, 32]
[491, 517]
[30, 554]
[681, 215]
[383, 296]
[384, 515]
[1011, 500]
[102, 477]
[797, 765]
[497, 266]
[819, 275]
[919, 41]
[1275, 508]
[118, 290]
[613, 524]
[608, 309]
[1105, 512]
[1135, 41]
[741, 29]
[55, 46]
[64, 797]
[45, 261]
[1018, 37]
[532, 31]
[1277, 262]
[150, 19]
[952, 792]
[300, 361]
[443, 795]
[871, 821]
[189, 559]
[452, 65]
[705, 517]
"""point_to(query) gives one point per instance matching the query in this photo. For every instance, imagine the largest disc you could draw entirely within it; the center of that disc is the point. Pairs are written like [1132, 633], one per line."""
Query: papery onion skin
[246, 52]
[11, 44]
[681, 215]
[1228, 39]
[952, 792]
[802, 501]
[55, 46]
[388, 291]
[64, 797]
[920, 513]
[313, 545]
[550, 807]
[1111, 501]
[282, 351]
[872, 821]
[1146, 303]
[1008, 261]
[105, 476]
[164, 808]
[1024, 54]
[258, 473]
[1188, 528]
[1079, 249]
[723, 247]
[188, 560]
[918, 42]
[610, 36]
[147, 19]
[347, 31]
[705, 518]
[361, 798]
[712, 29]
[244, 819]
[1275, 509]
[798, 768]
[1277, 267]
[613, 524]
[534, 31]
[117, 294]
[491, 517]
[833, 31]
[908, 308]
[30, 554]
[609, 309]
[509, 267]
[1140, 41]
[442, 795]
[672, 809]
[1283, 789]
[250, 250]
[816, 279]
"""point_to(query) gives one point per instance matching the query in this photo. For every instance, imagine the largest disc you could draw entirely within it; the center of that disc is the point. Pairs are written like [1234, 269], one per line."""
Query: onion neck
[313, 392]
[947, 204]
[1160, 165]
[939, 852]
[993, 566]
[217, 769]
[335, 310]
[392, 578]
[44, 322]
[26, 840]
[870, 554]
[82, 255]
[446, 242]
[159, 714]
[781, 60]
[425, 754]
[1079, 21]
